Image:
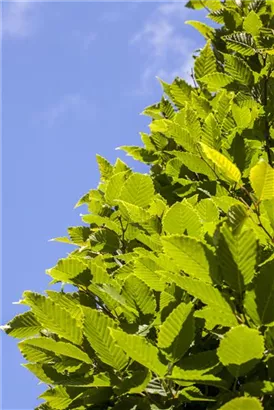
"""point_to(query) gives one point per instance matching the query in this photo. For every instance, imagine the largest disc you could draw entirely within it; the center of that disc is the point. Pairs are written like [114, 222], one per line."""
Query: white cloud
[70, 104]
[17, 18]
[177, 10]
[168, 51]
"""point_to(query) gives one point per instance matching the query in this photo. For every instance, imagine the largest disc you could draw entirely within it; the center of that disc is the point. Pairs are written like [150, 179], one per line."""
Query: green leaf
[140, 350]
[146, 270]
[268, 205]
[182, 218]
[135, 383]
[22, 326]
[262, 180]
[180, 91]
[139, 295]
[192, 393]
[204, 29]
[264, 293]
[203, 291]
[58, 398]
[238, 69]
[237, 256]
[138, 190]
[97, 330]
[34, 348]
[202, 363]
[216, 80]
[242, 43]
[54, 318]
[114, 186]
[259, 388]
[243, 403]
[105, 168]
[67, 301]
[193, 257]
[252, 23]
[228, 169]
[216, 317]
[211, 132]
[207, 210]
[205, 63]
[171, 327]
[68, 269]
[242, 116]
[177, 332]
[194, 163]
[237, 353]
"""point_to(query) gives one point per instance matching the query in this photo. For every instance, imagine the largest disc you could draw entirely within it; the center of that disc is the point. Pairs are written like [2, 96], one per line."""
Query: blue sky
[75, 78]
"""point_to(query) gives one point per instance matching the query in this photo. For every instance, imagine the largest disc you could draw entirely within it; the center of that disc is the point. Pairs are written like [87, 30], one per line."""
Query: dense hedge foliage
[174, 271]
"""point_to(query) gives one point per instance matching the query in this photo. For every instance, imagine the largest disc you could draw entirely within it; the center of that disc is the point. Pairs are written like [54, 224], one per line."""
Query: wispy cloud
[69, 105]
[165, 46]
[18, 18]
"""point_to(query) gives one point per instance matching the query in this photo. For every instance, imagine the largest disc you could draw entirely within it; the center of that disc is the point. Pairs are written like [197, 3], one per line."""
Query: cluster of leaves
[174, 271]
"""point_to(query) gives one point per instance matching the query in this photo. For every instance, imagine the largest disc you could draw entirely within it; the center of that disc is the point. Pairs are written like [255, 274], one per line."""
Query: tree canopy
[173, 270]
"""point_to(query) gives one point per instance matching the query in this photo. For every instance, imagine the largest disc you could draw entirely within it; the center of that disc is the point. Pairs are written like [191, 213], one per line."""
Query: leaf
[203, 291]
[138, 190]
[177, 332]
[182, 218]
[145, 269]
[139, 295]
[174, 130]
[242, 116]
[228, 169]
[114, 186]
[262, 180]
[202, 363]
[252, 23]
[237, 353]
[22, 326]
[191, 256]
[192, 393]
[180, 91]
[171, 327]
[54, 318]
[207, 210]
[68, 269]
[97, 330]
[33, 348]
[268, 205]
[140, 350]
[194, 376]
[264, 293]
[237, 255]
[105, 168]
[58, 398]
[132, 213]
[216, 80]
[135, 383]
[238, 69]
[211, 132]
[242, 403]
[205, 63]
[214, 317]
[242, 43]
[194, 163]
[204, 29]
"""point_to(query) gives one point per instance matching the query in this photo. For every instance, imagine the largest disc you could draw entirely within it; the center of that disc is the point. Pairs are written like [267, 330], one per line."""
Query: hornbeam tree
[173, 270]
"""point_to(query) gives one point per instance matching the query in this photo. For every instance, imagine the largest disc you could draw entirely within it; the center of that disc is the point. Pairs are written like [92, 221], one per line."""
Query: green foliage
[173, 271]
